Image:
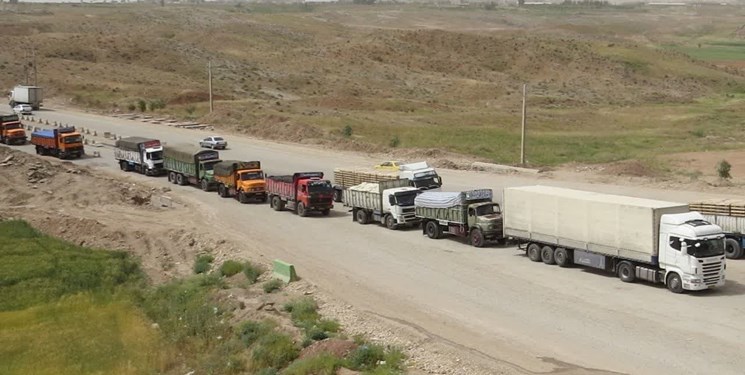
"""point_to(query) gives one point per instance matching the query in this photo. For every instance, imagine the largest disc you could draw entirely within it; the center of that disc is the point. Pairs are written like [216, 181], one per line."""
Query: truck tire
[362, 217]
[222, 191]
[205, 185]
[732, 249]
[432, 229]
[301, 211]
[123, 165]
[171, 177]
[534, 252]
[38, 150]
[180, 179]
[12, 103]
[326, 212]
[389, 222]
[337, 195]
[242, 197]
[276, 203]
[561, 256]
[477, 238]
[626, 272]
[547, 255]
[674, 283]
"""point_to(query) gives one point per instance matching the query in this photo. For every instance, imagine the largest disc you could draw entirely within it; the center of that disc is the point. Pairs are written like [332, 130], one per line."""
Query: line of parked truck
[636, 239]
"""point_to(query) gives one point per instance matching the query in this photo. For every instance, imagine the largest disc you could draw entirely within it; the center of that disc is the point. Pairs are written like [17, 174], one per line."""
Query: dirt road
[492, 305]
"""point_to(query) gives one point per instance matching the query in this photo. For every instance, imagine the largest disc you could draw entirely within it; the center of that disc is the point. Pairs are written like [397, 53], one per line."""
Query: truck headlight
[696, 281]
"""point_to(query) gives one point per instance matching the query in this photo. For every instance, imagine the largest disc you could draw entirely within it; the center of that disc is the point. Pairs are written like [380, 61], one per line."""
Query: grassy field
[73, 310]
[605, 84]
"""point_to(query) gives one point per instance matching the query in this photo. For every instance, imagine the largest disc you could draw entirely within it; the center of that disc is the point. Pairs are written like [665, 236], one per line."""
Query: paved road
[520, 315]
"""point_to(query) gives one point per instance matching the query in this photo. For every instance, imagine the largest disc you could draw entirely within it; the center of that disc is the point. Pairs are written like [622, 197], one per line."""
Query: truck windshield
[15, 125]
[319, 187]
[157, 155]
[487, 210]
[252, 176]
[705, 248]
[72, 139]
[406, 199]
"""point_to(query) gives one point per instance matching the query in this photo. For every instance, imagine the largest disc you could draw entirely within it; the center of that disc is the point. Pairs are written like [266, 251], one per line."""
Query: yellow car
[389, 166]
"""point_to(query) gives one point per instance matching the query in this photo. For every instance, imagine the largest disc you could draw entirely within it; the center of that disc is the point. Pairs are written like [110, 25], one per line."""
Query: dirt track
[488, 307]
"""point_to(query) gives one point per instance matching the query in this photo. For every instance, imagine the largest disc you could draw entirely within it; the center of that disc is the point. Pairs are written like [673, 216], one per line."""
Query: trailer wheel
[534, 252]
[432, 229]
[171, 177]
[477, 238]
[732, 249]
[547, 255]
[674, 283]
[205, 185]
[561, 256]
[326, 212]
[301, 211]
[625, 272]
[180, 179]
[337, 195]
[362, 217]
[390, 222]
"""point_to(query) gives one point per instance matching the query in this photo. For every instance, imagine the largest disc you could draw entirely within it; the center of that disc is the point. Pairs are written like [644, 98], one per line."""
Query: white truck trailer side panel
[613, 225]
[365, 195]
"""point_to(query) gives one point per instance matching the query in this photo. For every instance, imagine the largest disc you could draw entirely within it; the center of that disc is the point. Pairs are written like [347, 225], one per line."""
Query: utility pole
[209, 74]
[33, 57]
[25, 67]
[522, 138]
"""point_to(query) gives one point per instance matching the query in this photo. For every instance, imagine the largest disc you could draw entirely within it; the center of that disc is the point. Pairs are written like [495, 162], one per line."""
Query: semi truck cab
[154, 157]
[252, 181]
[421, 175]
[11, 130]
[693, 256]
[487, 217]
[400, 203]
[315, 192]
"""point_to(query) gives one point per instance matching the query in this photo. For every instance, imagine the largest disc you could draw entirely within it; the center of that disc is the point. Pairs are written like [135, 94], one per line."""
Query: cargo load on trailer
[11, 130]
[729, 214]
[420, 175]
[301, 192]
[60, 142]
[388, 202]
[470, 214]
[638, 239]
[243, 180]
[189, 164]
[143, 155]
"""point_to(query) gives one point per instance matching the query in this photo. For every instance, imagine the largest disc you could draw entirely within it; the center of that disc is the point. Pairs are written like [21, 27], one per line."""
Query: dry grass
[600, 89]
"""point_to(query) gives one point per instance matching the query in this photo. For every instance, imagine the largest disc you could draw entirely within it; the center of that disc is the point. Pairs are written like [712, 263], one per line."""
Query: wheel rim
[559, 256]
[301, 208]
[476, 238]
[361, 217]
[431, 230]
[389, 222]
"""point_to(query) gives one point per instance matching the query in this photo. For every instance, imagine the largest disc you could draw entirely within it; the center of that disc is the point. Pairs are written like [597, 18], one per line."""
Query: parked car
[389, 166]
[214, 142]
[23, 109]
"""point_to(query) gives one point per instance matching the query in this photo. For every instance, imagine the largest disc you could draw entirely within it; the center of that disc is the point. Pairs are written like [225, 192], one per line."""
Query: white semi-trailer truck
[388, 202]
[637, 239]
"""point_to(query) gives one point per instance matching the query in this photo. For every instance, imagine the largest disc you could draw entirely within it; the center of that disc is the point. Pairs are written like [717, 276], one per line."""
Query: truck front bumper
[694, 283]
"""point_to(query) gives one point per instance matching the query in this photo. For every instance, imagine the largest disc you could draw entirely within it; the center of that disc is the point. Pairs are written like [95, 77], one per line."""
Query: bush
[303, 311]
[267, 371]
[366, 357]
[157, 104]
[131, 107]
[275, 350]
[251, 331]
[203, 263]
[252, 272]
[347, 131]
[142, 105]
[230, 268]
[395, 141]
[323, 364]
[723, 170]
[273, 285]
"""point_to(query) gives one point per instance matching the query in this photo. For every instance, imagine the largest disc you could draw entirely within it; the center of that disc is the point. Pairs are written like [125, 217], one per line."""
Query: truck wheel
[674, 283]
[534, 252]
[123, 165]
[301, 211]
[362, 217]
[432, 229]
[626, 272]
[337, 195]
[222, 191]
[180, 179]
[276, 203]
[38, 150]
[561, 256]
[205, 185]
[390, 222]
[326, 212]
[242, 197]
[547, 255]
[477, 238]
[732, 249]
[171, 177]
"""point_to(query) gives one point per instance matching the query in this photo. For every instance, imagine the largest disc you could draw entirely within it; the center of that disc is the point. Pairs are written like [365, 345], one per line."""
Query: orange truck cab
[301, 192]
[243, 180]
[59, 142]
[11, 130]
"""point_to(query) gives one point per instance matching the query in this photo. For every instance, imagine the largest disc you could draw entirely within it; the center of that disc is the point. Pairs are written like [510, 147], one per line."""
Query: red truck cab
[301, 192]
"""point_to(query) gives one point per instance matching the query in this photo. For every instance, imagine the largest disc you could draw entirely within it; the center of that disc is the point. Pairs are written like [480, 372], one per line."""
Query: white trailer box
[613, 225]
[31, 95]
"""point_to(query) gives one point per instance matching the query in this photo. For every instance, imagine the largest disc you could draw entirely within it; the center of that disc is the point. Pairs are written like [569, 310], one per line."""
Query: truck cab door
[671, 254]
[471, 217]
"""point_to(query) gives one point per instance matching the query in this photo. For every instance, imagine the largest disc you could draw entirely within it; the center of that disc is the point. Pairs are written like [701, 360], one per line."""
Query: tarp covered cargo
[8, 118]
[132, 143]
[414, 166]
[186, 152]
[228, 167]
[442, 199]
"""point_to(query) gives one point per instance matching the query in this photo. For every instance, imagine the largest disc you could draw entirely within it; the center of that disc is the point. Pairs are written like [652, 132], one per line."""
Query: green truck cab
[471, 214]
[188, 164]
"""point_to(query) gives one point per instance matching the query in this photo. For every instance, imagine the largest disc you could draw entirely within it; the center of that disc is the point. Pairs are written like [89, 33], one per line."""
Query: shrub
[303, 311]
[347, 131]
[723, 170]
[251, 331]
[230, 268]
[252, 272]
[273, 285]
[275, 350]
[322, 364]
[395, 141]
[142, 105]
[203, 263]
[267, 371]
[157, 104]
[366, 357]
[131, 107]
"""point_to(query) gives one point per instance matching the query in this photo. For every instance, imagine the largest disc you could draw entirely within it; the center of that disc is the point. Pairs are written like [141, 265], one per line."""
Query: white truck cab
[693, 256]
[421, 175]
[399, 202]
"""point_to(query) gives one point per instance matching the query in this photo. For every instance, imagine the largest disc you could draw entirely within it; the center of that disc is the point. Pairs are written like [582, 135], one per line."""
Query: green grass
[203, 263]
[273, 285]
[722, 50]
[252, 272]
[323, 364]
[230, 268]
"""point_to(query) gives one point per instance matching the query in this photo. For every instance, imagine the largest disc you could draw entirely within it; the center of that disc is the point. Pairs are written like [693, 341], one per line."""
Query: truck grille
[711, 272]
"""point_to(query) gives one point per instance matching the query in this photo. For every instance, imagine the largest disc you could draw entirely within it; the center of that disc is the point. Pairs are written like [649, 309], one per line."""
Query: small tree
[723, 170]
[142, 104]
[347, 131]
[395, 141]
